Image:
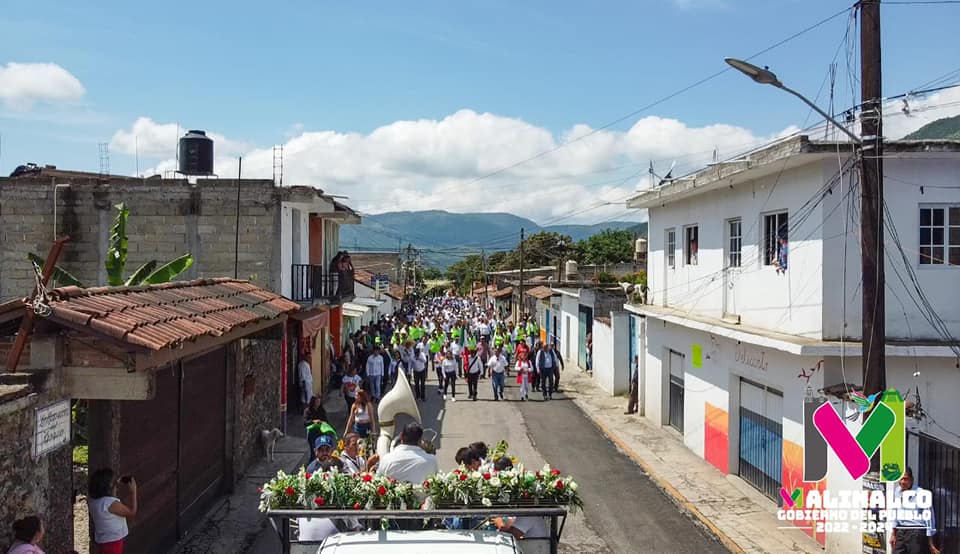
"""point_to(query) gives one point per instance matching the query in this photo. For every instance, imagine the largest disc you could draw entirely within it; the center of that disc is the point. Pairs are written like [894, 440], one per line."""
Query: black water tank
[196, 153]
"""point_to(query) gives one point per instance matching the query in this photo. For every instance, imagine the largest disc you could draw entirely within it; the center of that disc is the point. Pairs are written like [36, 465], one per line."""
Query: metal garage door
[761, 437]
[676, 390]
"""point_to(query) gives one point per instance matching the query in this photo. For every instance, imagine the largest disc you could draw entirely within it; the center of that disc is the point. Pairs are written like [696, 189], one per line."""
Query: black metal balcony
[312, 282]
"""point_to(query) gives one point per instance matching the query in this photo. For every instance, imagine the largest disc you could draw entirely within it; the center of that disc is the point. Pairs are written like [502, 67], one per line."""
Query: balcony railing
[313, 282]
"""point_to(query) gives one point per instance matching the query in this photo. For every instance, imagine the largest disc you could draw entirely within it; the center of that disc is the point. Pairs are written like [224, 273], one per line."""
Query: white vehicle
[420, 542]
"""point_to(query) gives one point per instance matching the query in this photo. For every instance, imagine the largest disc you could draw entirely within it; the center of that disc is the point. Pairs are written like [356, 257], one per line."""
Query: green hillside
[947, 128]
[447, 237]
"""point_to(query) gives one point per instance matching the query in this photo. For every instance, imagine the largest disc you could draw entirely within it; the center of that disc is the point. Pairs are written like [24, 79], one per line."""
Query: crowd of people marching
[454, 340]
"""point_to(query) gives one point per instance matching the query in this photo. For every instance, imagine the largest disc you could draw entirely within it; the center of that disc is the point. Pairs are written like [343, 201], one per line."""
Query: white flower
[572, 486]
[486, 502]
[495, 482]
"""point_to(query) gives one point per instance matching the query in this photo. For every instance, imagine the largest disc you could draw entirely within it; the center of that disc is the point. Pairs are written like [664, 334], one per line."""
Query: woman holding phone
[108, 513]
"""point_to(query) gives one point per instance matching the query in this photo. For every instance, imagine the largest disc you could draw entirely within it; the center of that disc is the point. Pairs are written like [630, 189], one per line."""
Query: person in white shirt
[109, 514]
[497, 364]
[305, 378]
[473, 371]
[449, 368]
[420, 373]
[407, 462]
[375, 372]
[455, 349]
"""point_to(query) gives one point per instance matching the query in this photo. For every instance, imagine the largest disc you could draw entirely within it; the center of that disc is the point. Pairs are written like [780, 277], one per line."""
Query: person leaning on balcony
[912, 536]
[108, 514]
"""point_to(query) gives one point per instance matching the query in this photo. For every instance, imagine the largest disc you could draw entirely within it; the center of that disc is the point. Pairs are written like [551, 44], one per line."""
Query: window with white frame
[774, 230]
[671, 248]
[940, 235]
[690, 244]
[734, 242]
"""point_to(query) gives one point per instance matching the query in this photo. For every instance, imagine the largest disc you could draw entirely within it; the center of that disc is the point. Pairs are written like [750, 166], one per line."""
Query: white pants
[524, 383]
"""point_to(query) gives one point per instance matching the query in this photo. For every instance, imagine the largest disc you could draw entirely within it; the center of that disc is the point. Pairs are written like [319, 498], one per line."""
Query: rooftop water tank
[195, 153]
[571, 270]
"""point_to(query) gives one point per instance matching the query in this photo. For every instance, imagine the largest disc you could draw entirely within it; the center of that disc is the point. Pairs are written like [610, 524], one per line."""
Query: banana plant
[149, 273]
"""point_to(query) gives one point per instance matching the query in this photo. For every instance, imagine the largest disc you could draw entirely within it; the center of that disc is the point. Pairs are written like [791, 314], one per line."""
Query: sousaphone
[399, 400]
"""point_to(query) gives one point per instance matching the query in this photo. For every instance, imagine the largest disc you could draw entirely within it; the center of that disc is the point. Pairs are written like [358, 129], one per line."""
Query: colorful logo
[794, 500]
[883, 430]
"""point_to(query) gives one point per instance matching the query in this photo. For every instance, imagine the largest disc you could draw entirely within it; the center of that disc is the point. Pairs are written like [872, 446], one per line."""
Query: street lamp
[764, 76]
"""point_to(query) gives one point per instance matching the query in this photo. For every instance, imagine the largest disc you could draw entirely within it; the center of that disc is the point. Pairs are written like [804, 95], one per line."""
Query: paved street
[625, 512]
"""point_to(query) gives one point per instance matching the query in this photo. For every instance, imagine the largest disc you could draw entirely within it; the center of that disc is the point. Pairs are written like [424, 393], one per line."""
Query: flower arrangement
[367, 491]
[332, 489]
[516, 486]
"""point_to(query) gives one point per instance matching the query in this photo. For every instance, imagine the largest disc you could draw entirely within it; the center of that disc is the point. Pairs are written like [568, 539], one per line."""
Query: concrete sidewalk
[235, 525]
[742, 518]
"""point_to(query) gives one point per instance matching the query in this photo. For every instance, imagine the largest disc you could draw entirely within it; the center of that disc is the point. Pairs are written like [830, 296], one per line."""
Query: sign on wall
[52, 427]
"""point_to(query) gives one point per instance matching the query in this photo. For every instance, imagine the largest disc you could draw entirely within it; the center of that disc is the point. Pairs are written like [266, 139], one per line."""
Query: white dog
[269, 438]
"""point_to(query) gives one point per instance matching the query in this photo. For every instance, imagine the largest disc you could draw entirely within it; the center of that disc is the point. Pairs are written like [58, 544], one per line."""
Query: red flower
[554, 472]
[526, 495]
[463, 476]
[259, 489]
[356, 506]
[486, 476]
[382, 490]
[559, 485]
[456, 471]
[426, 484]
[320, 501]
[307, 475]
[290, 491]
[367, 477]
[538, 475]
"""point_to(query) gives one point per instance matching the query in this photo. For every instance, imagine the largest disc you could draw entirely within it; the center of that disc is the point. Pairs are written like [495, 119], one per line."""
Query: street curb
[661, 482]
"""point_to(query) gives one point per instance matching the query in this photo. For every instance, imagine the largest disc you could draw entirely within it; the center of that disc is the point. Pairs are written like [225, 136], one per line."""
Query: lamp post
[764, 76]
[873, 301]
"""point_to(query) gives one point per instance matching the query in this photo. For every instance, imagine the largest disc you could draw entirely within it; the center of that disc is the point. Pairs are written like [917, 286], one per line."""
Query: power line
[655, 103]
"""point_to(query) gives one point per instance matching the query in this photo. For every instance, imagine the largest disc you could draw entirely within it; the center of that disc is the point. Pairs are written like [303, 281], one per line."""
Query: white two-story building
[729, 343]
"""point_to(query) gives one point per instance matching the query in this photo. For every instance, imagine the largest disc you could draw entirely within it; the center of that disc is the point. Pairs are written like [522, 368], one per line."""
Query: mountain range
[446, 237]
[947, 128]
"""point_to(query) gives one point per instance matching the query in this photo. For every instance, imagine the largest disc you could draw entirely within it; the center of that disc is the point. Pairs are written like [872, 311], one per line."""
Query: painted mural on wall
[716, 437]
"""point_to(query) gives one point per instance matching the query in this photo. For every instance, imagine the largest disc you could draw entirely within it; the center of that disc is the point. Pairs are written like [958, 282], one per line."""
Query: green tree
[607, 247]
[539, 249]
[495, 260]
[465, 272]
[116, 263]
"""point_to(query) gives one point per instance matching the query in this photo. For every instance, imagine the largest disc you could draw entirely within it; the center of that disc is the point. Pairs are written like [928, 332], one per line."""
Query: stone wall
[167, 218]
[41, 487]
[257, 400]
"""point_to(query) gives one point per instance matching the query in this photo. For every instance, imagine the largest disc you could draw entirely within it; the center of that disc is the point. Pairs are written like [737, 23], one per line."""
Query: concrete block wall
[167, 218]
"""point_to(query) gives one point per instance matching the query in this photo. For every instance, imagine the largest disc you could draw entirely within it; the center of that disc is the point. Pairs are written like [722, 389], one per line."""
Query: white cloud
[922, 110]
[446, 163]
[23, 84]
[153, 139]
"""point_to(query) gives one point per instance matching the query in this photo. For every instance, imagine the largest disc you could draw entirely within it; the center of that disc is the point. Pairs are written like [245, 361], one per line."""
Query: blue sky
[481, 85]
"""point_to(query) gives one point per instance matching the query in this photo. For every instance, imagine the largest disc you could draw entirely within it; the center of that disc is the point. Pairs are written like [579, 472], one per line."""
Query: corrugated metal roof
[166, 315]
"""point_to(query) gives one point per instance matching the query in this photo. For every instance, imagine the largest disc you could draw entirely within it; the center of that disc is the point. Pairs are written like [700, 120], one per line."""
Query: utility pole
[871, 203]
[483, 267]
[520, 308]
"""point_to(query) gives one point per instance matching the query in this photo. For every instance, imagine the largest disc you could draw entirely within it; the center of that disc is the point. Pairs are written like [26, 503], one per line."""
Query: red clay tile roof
[540, 292]
[503, 292]
[163, 316]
